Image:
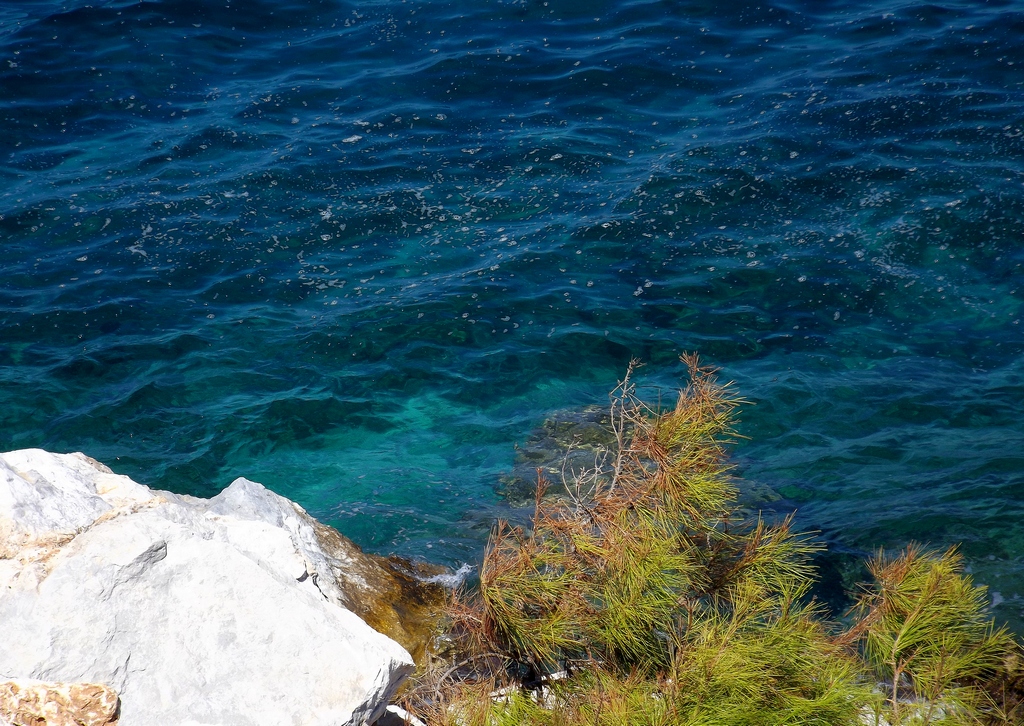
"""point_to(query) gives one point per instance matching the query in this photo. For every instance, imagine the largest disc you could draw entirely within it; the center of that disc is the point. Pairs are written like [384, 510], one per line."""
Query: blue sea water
[357, 251]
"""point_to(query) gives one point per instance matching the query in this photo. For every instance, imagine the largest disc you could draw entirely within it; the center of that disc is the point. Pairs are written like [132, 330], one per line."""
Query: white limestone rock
[195, 611]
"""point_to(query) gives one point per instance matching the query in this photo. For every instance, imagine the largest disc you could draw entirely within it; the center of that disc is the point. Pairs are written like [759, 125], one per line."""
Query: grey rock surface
[220, 611]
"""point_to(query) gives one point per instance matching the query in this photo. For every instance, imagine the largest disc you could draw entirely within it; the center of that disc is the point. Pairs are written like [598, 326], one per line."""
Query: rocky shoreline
[239, 609]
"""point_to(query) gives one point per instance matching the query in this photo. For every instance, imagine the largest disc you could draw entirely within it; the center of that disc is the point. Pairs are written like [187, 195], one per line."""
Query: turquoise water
[356, 251]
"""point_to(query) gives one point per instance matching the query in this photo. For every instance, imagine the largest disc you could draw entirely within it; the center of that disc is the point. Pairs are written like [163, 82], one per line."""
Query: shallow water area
[357, 251]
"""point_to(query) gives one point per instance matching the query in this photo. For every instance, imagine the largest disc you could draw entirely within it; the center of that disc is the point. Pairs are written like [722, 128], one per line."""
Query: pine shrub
[642, 597]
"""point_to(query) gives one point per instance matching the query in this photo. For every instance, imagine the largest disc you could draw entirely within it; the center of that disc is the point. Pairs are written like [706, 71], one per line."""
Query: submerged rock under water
[575, 443]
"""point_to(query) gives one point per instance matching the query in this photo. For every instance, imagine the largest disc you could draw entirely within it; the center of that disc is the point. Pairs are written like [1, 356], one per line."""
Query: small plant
[923, 629]
[641, 597]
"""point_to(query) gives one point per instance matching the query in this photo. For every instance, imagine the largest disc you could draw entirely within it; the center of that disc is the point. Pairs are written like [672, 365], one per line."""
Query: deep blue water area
[357, 251]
